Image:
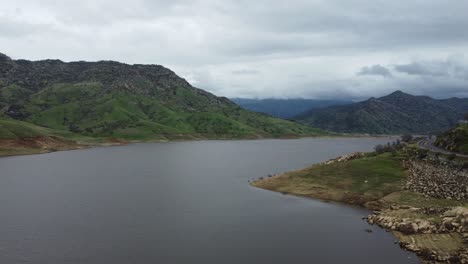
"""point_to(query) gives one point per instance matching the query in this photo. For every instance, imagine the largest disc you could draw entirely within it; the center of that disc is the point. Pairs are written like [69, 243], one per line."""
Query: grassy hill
[396, 113]
[455, 139]
[12, 129]
[116, 100]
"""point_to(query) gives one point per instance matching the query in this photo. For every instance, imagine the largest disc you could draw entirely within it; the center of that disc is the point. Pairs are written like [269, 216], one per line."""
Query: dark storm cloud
[417, 69]
[221, 45]
[375, 70]
[440, 78]
[451, 67]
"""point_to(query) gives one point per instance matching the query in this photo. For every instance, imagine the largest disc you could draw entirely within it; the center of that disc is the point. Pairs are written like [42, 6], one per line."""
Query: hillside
[392, 114]
[116, 100]
[284, 108]
[455, 139]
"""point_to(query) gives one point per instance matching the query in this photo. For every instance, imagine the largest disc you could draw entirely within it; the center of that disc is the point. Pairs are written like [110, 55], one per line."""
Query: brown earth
[35, 145]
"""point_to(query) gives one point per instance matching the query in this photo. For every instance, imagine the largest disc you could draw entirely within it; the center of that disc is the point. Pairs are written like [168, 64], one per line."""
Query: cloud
[245, 72]
[415, 68]
[376, 69]
[262, 48]
[11, 27]
[453, 67]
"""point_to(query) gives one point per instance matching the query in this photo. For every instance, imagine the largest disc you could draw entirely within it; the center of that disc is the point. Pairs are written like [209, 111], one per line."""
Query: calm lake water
[180, 202]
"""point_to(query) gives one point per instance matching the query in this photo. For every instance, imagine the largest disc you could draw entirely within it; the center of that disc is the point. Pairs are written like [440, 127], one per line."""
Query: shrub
[379, 149]
[465, 165]
[422, 153]
[451, 156]
[406, 138]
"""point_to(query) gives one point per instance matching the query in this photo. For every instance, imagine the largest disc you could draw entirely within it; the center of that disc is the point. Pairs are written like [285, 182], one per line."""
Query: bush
[465, 165]
[389, 147]
[379, 149]
[451, 156]
[406, 138]
[422, 153]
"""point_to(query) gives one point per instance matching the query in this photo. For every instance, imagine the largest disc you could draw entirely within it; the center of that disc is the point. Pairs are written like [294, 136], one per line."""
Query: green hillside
[111, 99]
[455, 139]
[396, 113]
[12, 129]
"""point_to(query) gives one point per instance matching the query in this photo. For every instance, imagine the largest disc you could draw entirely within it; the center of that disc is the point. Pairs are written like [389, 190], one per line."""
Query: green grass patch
[357, 181]
[12, 129]
[373, 176]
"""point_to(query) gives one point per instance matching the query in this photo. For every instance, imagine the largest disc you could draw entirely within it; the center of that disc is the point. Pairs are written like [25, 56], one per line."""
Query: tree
[465, 117]
[379, 149]
[406, 138]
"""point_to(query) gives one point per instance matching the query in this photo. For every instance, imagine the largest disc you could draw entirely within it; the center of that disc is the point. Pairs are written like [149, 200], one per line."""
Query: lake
[181, 202]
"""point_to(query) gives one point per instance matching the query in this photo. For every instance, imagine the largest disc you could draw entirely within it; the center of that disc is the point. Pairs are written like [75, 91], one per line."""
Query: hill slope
[392, 114]
[455, 139]
[284, 108]
[111, 99]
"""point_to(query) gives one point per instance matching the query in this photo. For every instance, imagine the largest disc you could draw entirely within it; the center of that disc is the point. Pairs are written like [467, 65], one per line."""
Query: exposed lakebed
[181, 202]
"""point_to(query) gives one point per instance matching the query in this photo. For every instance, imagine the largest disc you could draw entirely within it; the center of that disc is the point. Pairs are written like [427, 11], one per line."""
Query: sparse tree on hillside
[406, 138]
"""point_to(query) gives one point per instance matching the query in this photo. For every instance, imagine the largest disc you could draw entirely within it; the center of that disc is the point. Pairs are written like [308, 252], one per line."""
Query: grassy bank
[355, 182]
[377, 182]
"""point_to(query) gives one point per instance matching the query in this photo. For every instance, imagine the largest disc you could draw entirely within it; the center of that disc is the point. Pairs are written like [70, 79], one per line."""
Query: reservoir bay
[181, 202]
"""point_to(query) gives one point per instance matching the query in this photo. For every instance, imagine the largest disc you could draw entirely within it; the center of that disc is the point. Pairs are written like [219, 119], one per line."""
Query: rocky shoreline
[434, 176]
[434, 226]
[453, 221]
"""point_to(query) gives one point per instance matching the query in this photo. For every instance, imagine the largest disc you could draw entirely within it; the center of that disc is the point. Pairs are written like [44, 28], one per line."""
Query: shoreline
[69, 145]
[435, 229]
[379, 216]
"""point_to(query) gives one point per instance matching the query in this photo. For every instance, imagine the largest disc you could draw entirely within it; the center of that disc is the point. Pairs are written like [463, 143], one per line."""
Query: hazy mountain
[112, 99]
[392, 114]
[284, 108]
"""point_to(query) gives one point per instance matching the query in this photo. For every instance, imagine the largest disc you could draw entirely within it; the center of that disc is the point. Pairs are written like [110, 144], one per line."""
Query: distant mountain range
[395, 113]
[117, 100]
[284, 108]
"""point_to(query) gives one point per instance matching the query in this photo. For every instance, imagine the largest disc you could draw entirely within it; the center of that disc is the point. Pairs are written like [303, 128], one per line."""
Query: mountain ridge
[395, 113]
[284, 108]
[113, 99]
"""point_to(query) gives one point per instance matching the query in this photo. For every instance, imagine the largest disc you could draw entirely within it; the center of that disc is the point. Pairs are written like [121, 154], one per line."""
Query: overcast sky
[314, 49]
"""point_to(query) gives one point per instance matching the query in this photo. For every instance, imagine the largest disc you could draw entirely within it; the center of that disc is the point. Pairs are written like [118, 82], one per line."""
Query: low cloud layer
[375, 70]
[300, 48]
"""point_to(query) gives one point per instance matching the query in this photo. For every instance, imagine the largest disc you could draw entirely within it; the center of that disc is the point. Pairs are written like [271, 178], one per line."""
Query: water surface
[180, 202]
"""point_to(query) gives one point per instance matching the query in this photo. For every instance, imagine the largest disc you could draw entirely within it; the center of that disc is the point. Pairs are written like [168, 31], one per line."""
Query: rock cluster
[454, 220]
[437, 180]
[347, 157]
[404, 225]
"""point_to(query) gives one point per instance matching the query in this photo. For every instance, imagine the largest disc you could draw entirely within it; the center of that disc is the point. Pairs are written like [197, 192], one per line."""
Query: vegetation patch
[356, 181]
[455, 139]
[132, 102]
[434, 227]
